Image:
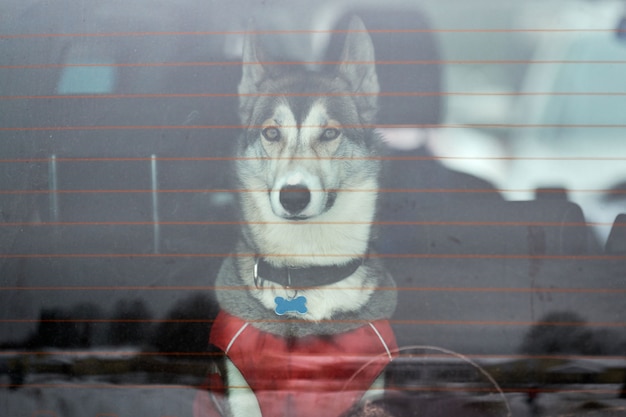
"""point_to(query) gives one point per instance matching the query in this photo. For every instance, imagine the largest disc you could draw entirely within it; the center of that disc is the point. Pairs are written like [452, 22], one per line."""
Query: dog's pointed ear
[358, 66]
[253, 70]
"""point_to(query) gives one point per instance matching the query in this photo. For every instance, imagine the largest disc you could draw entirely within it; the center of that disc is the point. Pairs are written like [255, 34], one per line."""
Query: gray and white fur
[310, 133]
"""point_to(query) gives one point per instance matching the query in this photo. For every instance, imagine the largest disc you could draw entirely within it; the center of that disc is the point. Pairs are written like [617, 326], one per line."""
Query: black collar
[309, 276]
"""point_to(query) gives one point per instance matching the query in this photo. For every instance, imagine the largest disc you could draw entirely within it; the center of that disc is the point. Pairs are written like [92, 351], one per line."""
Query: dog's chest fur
[332, 303]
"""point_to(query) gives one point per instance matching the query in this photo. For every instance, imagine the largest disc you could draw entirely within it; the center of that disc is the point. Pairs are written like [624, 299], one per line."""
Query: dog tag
[284, 306]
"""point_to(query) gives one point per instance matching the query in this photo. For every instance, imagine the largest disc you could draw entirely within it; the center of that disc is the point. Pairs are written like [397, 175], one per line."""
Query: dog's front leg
[376, 390]
[241, 399]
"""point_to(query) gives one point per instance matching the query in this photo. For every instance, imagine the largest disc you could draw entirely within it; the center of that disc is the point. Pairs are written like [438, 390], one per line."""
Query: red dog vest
[305, 376]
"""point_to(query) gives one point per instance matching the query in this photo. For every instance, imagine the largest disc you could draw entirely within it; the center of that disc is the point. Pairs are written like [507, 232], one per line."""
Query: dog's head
[307, 135]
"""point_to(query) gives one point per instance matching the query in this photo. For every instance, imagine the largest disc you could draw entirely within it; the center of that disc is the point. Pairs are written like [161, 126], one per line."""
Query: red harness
[302, 377]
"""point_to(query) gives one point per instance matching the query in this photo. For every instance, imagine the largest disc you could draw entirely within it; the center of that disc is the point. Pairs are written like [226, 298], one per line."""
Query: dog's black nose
[294, 198]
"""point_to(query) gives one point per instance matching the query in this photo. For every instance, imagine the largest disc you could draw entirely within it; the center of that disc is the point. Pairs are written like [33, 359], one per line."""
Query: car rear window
[501, 210]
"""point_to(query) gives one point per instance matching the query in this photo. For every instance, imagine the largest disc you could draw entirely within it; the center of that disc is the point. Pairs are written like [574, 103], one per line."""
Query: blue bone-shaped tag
[284, 306]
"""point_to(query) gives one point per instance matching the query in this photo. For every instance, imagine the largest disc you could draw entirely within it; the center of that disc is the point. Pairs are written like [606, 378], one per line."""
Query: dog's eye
[271, 133]
[330, 134]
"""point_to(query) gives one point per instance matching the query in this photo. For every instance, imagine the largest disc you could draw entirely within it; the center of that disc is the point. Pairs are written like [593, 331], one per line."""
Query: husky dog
[304, 304]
